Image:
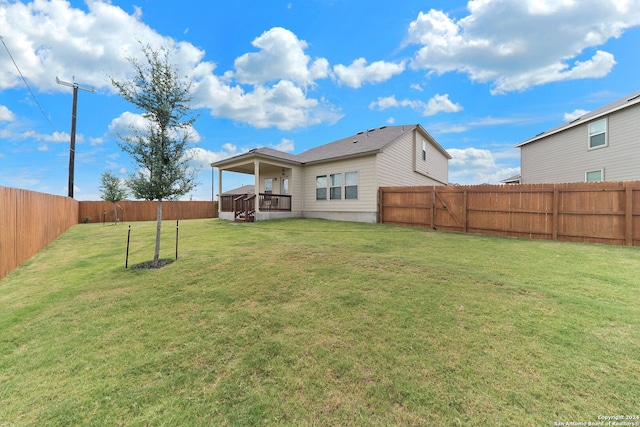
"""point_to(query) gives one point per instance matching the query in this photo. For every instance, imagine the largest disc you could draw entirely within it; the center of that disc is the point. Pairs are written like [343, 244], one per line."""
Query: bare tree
[112, 191]
[161, 151]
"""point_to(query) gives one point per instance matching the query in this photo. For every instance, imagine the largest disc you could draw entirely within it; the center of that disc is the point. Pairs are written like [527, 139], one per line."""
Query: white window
[594, 176]
[285, 186]
[321, 187]
[351, 185]
[268, 186]
[335, 192]
[598, 134]
[424, 150]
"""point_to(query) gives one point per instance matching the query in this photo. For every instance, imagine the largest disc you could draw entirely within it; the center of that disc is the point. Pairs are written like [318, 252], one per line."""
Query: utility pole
[72, 150]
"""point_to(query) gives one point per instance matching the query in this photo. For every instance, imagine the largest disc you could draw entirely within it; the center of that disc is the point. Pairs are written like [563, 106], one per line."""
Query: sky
[479, 76]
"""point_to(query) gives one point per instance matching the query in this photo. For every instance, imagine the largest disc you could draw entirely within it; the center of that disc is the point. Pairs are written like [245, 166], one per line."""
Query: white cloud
[52, 38]
[6, 115]
[126, 122]
[575, 114]
[123, 125]
[281, 57]
[480, 166]
[203, 158]
[437, 104]
[513, 44]
[56, 137]
[471, 158]
[283, 105]
[285, 145]
[358, 73]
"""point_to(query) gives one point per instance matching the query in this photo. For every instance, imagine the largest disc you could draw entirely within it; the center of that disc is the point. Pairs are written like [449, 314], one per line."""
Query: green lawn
[310, 322]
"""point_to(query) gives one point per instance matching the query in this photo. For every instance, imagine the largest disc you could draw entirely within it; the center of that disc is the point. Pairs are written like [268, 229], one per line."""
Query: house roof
[625, 102]
[245, 189]
[363, 143]
[512, 179]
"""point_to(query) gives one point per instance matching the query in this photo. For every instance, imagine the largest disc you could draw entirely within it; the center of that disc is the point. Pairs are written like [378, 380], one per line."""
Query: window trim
[350, 186]
[337, 187]
[601, 170]
[268, 190]
[591, 135]
[321, 188]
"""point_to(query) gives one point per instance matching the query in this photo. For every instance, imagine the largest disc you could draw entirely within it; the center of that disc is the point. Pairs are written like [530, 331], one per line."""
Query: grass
[310, 322]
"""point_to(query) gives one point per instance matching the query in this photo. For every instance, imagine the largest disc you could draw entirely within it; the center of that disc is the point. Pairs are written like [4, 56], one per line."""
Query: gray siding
[367, 189]
[565, 157]
[401, 164]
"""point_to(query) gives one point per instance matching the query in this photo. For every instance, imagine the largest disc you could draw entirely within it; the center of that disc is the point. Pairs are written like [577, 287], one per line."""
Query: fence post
[628, 215]
[380, 206]
[126, 262]
[465, 194]
[433, 207]
[554, 220]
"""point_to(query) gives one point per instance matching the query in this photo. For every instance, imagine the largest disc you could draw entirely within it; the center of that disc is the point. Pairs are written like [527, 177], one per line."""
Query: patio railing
[244, 208]
[267, 202]
[275, 202]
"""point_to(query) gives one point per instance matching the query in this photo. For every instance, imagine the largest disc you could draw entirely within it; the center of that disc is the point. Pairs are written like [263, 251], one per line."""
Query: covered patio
[271, 196]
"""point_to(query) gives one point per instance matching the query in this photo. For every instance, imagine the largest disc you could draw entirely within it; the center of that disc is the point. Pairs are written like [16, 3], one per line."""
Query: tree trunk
[115, 213]
[156, 255]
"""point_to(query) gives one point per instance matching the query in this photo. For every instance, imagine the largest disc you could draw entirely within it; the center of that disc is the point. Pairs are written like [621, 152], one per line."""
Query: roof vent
[355, 141]
[633, 97]
[382, 127]
[361, 132]
[541, 133]
[575, 120]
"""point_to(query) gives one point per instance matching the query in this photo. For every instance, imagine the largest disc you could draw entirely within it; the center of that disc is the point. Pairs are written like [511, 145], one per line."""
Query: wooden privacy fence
[604, 212]
[146, 210]
[29, 221]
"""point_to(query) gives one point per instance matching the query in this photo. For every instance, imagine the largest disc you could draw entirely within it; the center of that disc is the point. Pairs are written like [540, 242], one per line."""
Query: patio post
[256, 174]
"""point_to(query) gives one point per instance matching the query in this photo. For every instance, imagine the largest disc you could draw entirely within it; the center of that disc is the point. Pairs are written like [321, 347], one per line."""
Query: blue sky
[480, 76]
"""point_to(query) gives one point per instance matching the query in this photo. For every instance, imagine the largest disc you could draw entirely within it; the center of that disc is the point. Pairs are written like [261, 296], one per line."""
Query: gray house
[338, 180]
[602, 145]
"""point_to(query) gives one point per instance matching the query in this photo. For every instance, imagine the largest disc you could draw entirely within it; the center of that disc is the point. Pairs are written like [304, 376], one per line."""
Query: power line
[27, 85]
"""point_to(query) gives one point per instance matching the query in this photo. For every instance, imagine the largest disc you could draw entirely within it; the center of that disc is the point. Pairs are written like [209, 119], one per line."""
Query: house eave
[433, 142]
[634, 100]
[251, 156]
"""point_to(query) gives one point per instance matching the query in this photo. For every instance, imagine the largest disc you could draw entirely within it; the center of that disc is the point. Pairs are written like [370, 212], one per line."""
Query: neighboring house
[339, 180]
[602, 145]
[512, 180]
